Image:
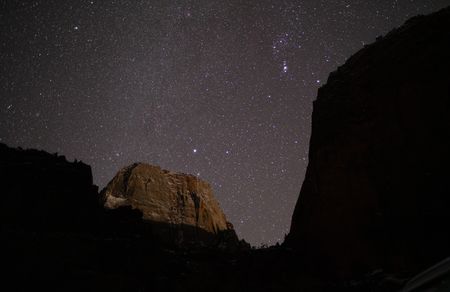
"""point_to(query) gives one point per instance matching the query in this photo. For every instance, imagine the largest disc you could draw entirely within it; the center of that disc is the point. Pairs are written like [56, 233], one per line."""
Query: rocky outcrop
[376, 193]
[183, 203]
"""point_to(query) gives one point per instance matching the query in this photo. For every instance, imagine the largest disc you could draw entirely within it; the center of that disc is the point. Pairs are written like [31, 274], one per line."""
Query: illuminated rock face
[167, 197]
[376, 194]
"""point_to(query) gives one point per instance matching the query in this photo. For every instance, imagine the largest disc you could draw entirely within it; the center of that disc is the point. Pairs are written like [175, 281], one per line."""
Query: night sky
[219, 89]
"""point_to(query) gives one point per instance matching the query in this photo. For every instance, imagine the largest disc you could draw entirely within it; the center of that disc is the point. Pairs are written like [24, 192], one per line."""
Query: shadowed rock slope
[42, 191]
[184, 202]
[376, 193]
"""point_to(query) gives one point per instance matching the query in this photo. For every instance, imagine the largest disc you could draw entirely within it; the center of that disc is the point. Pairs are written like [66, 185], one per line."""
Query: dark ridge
[38, 187]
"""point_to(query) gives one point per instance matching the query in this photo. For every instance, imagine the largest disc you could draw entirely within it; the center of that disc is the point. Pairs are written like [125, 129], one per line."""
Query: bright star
[285, 67]
[194, 150]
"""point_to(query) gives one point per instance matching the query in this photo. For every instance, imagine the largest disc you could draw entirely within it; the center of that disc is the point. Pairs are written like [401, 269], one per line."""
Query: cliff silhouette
[376, 192]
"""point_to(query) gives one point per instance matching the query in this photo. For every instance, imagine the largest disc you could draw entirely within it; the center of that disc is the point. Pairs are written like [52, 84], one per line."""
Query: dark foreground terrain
[373, 210]
[57, 236]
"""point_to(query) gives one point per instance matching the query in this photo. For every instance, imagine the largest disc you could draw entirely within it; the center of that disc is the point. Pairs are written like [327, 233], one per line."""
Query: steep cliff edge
[376, 193]
[184, 203]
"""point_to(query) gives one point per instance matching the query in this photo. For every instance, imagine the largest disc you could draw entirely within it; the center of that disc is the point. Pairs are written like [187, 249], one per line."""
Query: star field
[219, 89]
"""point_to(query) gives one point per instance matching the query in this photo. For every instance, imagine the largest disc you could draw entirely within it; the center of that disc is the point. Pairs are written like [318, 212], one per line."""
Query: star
[285, 67]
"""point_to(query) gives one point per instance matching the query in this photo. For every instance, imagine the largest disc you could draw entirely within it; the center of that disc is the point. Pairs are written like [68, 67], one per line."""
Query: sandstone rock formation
[183, 202]
[376, 192]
